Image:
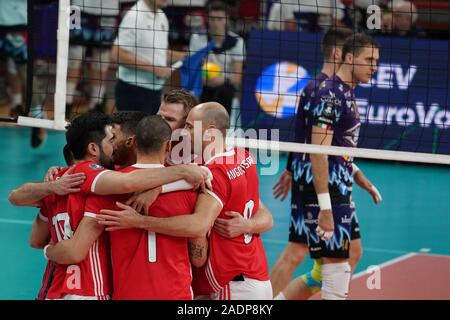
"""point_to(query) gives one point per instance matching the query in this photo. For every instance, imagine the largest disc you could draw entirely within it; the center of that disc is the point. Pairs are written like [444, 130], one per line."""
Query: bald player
[236, 267]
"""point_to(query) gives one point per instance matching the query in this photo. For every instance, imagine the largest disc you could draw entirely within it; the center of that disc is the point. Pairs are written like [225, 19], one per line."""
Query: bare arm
[198, 251]
[30, 194]
[192, 225]
[112, 182]
[319, 164]
[75, 250]
[40, 233]
[362, 181]
[261, 222]
[236, 79]
[128, 59]
[174, 56]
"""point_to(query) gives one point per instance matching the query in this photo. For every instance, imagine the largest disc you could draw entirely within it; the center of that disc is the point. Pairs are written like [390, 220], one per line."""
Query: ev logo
[279, 87]
[373, 282]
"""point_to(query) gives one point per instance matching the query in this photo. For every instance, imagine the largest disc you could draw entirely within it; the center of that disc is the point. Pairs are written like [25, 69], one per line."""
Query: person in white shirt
[142, 51]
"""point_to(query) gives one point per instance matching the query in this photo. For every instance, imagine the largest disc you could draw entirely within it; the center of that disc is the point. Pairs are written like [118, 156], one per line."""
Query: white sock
[16, 99]
[97, 93]
[335, 280]
[280, 296]
[71, 88]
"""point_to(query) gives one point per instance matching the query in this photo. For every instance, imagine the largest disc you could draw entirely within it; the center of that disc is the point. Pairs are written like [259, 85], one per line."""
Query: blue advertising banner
[404, 107]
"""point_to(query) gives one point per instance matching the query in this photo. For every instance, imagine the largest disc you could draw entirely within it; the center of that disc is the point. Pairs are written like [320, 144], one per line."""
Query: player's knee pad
[76, 56]
[100, 59]
[313, 279]
[335, 280]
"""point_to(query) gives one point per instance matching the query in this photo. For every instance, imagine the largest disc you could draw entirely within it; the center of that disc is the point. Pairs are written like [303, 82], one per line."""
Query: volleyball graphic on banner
[279, 87]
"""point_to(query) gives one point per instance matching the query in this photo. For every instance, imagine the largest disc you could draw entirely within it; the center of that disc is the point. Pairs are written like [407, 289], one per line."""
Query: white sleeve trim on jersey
[215, 197]
[176, 186]
[90, 215]
[96, 179]
[42, 217]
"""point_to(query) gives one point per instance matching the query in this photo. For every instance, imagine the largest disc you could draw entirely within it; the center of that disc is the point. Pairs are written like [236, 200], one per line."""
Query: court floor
[412, 223]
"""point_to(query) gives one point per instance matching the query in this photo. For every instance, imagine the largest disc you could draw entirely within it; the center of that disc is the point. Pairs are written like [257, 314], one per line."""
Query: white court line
[386, 263]
[434, 254]
[15, 221]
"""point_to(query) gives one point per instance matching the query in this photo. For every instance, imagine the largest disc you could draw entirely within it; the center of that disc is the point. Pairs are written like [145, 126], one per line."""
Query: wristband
[324, 201]
[45, 251]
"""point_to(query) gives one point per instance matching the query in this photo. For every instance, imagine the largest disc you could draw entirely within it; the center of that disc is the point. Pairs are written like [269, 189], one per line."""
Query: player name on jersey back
[239, 170]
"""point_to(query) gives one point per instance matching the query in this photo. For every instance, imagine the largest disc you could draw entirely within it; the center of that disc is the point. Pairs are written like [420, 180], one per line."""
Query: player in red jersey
[69, 216]
[241, 271]
[40, 231]
[148, 265]
[175, 107]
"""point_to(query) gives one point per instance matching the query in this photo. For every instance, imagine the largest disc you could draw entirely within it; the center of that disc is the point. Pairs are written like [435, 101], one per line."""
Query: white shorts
[249, 289]
[77, 297]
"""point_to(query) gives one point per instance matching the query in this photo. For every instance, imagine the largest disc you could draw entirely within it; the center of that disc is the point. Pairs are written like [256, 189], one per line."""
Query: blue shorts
[14, 45]
[297, 227]
[339, 244]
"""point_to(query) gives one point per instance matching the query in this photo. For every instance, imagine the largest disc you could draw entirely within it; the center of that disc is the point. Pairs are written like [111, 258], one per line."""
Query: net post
[62, 63]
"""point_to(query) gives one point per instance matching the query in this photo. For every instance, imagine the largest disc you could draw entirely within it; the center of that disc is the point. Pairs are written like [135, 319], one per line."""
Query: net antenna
[59, 121]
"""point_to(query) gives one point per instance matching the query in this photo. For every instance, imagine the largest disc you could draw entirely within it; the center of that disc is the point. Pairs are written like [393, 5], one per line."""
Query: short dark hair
[184, 97]
[83, 130]
[218, 6]
[151, 133]
[68, 157]
[356, 44]
[128, 120]
[334, 37]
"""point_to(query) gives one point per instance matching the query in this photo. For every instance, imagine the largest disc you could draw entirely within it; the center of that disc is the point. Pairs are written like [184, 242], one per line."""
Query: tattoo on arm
[196, 251]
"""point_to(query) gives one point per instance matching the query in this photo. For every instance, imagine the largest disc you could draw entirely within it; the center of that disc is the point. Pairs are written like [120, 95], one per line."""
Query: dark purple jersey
[307, 94]
[333, 107]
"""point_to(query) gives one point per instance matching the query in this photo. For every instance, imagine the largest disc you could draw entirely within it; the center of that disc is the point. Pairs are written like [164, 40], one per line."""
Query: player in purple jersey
[297, 248]
[333, 119]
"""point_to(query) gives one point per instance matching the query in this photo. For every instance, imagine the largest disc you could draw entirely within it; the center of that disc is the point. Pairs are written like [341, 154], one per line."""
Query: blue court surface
[413, 216]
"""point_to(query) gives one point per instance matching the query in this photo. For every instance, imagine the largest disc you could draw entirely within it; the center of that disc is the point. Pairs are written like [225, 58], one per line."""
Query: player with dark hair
[297, 249]
[237, 267]
[149, 265]
[124, 124]
[333, 119]
[67, 215]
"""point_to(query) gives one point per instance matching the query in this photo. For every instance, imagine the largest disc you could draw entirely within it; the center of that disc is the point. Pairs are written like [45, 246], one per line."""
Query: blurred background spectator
[185, 18]
[223, 67]
[14, 51]
[404, 20]
[307, 15]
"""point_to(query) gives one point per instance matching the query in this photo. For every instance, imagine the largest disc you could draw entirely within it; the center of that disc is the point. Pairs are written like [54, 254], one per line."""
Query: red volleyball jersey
[235, 186]
[92, 276]
[149, 266]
